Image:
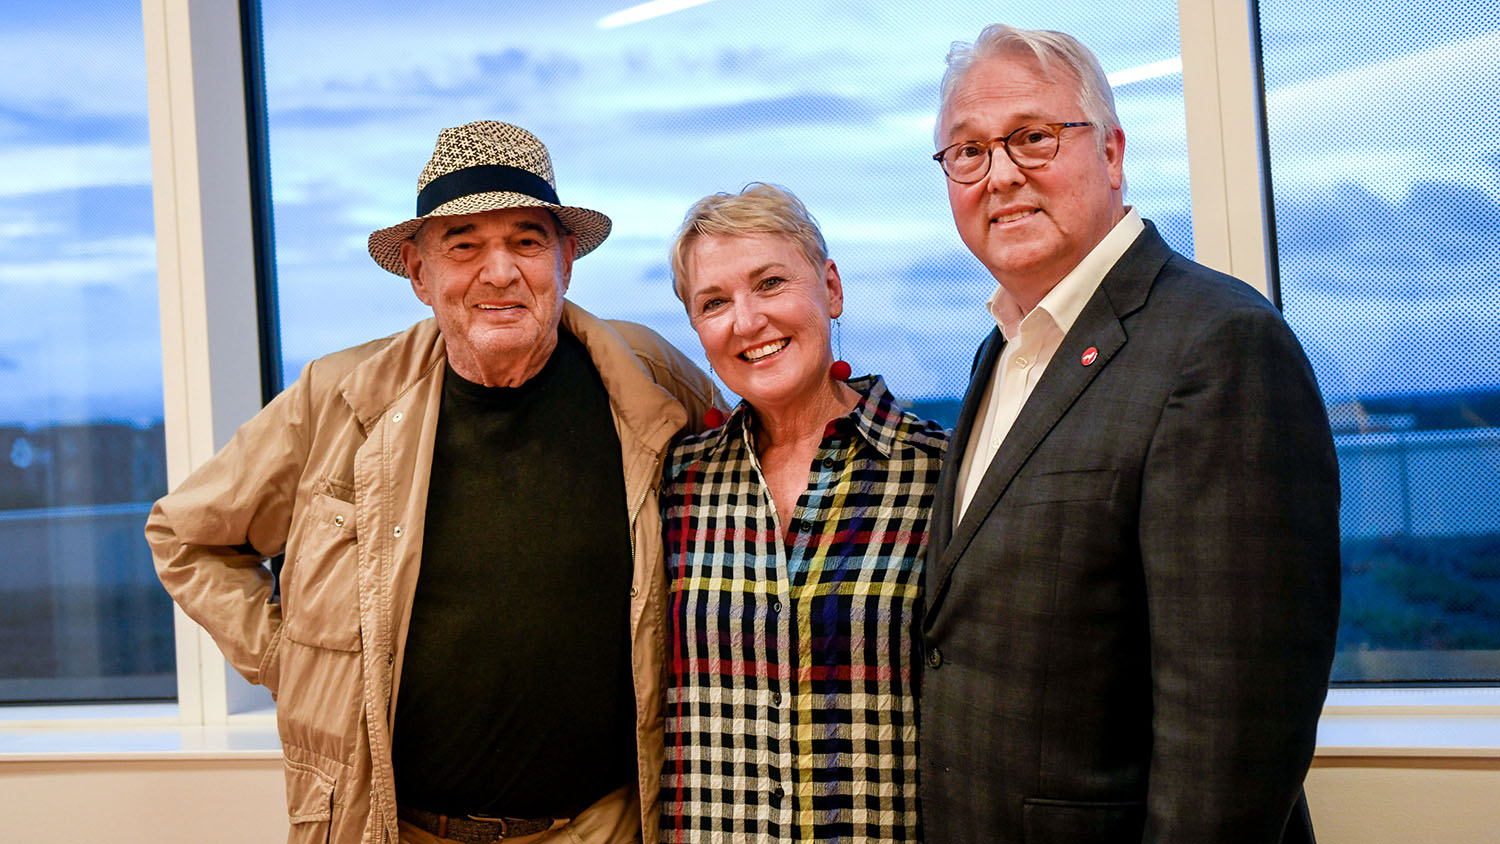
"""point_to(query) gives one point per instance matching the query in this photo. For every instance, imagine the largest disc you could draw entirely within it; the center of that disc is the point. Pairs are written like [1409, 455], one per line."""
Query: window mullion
[210, 343]
[1221, 90]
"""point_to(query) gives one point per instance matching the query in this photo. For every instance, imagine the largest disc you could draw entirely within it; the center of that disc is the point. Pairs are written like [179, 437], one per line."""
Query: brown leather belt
[475, 829]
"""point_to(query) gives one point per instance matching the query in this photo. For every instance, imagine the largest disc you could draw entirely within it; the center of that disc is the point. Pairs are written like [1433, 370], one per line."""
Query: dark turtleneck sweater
[515, 693]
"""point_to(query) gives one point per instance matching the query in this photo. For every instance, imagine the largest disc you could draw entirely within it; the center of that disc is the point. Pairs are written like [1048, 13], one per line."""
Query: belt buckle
[504, 830]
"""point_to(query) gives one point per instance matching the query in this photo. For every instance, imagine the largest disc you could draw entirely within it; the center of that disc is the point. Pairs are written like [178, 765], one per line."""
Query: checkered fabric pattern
[791, 709]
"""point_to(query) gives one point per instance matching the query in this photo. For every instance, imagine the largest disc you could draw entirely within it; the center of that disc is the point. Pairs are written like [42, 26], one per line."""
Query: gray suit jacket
[1128, 637]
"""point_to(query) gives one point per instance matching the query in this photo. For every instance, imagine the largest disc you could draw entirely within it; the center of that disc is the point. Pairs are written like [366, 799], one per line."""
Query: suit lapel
[941, 526]
[1099, 328]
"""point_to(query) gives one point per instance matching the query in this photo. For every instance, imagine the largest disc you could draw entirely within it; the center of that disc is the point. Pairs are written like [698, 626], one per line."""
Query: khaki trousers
[615, 819]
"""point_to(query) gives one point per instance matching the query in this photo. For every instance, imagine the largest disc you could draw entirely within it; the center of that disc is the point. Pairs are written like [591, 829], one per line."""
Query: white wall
[142, 802]
[1405, 801]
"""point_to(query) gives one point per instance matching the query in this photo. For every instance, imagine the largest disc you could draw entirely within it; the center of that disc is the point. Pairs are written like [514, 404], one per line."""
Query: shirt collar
[1064, 302]
[876, 418]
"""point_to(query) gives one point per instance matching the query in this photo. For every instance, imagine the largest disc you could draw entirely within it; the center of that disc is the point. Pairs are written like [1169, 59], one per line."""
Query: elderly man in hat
[467, 643]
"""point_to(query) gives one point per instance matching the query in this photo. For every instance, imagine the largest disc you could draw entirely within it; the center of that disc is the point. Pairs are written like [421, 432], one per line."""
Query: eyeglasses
[1030, 147]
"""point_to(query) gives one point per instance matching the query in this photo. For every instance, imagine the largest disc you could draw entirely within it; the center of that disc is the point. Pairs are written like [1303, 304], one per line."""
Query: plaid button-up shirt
[791, 707]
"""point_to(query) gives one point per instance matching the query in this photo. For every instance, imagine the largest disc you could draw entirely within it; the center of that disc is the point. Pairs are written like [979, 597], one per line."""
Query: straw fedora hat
[487, 166]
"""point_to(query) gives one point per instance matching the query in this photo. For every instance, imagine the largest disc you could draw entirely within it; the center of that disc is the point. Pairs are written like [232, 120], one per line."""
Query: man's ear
[567, 250]
[411, 256]
[1114, 157]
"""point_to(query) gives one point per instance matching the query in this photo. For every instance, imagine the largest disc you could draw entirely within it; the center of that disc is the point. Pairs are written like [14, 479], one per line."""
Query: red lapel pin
[1090, 356]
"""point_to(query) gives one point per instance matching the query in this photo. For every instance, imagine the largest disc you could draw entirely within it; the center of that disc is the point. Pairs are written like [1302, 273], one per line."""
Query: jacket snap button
[934, 658]
[397, 531]
[633, 591]
[338, 520]
[396, 417]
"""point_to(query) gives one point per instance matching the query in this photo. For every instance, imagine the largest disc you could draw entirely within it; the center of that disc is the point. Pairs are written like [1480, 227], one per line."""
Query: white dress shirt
[1031, 339]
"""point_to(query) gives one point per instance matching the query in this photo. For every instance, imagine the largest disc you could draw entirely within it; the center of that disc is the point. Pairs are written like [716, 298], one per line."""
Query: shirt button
[828, 463]
[776, 698]
[775, 607]
[934, 658]
[1022, 363]
[776, 795]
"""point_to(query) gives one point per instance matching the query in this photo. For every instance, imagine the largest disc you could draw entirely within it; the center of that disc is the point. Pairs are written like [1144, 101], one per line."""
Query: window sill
[135, 732]
[1417, 722]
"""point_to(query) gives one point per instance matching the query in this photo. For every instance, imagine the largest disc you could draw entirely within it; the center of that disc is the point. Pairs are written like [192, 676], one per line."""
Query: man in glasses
[1133, 577]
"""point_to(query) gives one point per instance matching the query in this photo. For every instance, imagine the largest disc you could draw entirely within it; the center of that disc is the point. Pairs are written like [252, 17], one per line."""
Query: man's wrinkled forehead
[1019, 59]
[541, 220]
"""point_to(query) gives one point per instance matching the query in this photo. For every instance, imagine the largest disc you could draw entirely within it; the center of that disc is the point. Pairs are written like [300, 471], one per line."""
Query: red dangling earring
[713, 417]
[840, 369]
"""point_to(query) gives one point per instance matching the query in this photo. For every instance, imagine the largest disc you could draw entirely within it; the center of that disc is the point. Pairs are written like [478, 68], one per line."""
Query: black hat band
[483, 178]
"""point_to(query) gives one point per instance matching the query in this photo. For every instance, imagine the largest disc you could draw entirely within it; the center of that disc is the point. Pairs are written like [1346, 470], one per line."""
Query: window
[835, 101]
[1383, 123]
[81, 440]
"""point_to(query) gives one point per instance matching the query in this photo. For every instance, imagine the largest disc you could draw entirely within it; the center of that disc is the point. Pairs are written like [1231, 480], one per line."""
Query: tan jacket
[334, 472]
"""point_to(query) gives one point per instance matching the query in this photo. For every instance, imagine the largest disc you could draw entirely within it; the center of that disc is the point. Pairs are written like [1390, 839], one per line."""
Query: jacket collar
[641, 406]
[412, 356]
[1098, 335]
[408, 358]
[876, 420]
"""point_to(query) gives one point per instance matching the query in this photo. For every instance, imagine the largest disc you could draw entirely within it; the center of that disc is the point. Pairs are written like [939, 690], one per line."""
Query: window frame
[211, 337]
[212, 315]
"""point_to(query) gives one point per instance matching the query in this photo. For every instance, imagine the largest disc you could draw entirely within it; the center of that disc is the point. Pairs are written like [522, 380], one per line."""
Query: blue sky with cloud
[79, 339]
[1385, 143]
[832, 100]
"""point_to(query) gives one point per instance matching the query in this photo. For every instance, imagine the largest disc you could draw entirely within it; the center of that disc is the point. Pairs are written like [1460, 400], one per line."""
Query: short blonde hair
[759, 208]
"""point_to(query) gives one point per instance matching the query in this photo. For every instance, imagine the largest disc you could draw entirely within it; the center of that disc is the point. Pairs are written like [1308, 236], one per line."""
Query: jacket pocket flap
[309, 793]
[1082, 820]
[319, 588]
[1073, 485]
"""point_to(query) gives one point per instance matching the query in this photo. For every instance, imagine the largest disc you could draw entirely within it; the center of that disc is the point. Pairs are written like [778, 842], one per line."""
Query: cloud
[117, 264]
[340, 117]
[71, 215]
[1369, 123]
[101, 236]
[950, 278]
[52, 168]
[20, 126]
[777, 113]
[22, 226]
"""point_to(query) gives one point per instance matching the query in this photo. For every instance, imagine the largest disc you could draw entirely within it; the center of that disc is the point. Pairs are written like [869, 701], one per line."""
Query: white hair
[1049, 50]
